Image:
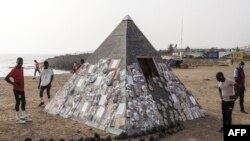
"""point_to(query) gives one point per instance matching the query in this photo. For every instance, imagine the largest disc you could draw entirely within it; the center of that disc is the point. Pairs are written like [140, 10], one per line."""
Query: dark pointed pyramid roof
[125, 42]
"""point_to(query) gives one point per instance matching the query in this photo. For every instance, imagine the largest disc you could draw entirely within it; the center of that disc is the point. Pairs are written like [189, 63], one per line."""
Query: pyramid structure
[125, 87]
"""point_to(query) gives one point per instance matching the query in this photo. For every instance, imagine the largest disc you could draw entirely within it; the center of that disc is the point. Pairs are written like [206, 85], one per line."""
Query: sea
[8, 61]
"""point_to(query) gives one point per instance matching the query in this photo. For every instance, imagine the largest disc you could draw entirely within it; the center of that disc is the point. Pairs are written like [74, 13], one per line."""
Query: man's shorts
[45, 87]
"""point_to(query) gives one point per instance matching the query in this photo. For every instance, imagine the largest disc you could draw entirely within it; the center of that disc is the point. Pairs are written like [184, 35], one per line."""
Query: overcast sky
[68, 26]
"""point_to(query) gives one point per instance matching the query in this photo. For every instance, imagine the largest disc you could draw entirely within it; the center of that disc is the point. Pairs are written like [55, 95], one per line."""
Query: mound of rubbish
[205, 62]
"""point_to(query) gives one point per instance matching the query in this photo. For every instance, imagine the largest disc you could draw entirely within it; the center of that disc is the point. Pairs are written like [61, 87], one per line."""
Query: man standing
[226, 90]
[82, 62]
[75, 66]
[46, 78]
[239, 77]
[18, 88]
[36, 68]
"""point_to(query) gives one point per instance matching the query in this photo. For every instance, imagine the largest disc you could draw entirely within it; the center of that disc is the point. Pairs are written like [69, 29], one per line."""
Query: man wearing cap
[239, 77]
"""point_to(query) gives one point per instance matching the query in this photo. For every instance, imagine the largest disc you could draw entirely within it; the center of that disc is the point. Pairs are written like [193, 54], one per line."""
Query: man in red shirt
[37, 66]
[18, 87]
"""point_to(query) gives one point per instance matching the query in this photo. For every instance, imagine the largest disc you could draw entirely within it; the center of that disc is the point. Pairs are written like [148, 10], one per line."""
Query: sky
[69, 26]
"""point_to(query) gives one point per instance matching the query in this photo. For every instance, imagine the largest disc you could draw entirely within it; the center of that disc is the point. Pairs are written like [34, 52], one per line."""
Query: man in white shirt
[226, 90]
[46, 78]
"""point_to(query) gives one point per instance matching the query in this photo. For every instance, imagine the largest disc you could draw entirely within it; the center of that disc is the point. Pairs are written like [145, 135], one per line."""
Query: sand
[201, 81]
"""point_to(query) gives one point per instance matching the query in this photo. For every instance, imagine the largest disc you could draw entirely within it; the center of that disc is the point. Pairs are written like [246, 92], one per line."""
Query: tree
[187, 48]
[213, 49]
[175, 47]
[237, 48]
[170, 48]
[222, 49]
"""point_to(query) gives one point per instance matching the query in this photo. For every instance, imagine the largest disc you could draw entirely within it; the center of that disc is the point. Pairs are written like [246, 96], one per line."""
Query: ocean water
[8, 61]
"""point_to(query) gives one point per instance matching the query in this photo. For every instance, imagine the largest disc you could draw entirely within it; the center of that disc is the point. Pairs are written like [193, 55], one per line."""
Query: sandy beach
[201, 81]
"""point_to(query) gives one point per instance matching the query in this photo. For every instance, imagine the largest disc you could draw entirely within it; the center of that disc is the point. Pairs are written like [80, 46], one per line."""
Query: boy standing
[36, 68]
[46, 78]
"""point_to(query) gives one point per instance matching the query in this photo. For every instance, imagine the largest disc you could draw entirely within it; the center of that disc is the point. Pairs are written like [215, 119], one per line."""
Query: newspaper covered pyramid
[125, 87]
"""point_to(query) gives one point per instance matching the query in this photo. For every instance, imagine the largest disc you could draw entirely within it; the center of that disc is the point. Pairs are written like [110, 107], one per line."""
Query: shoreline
[62, 74]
